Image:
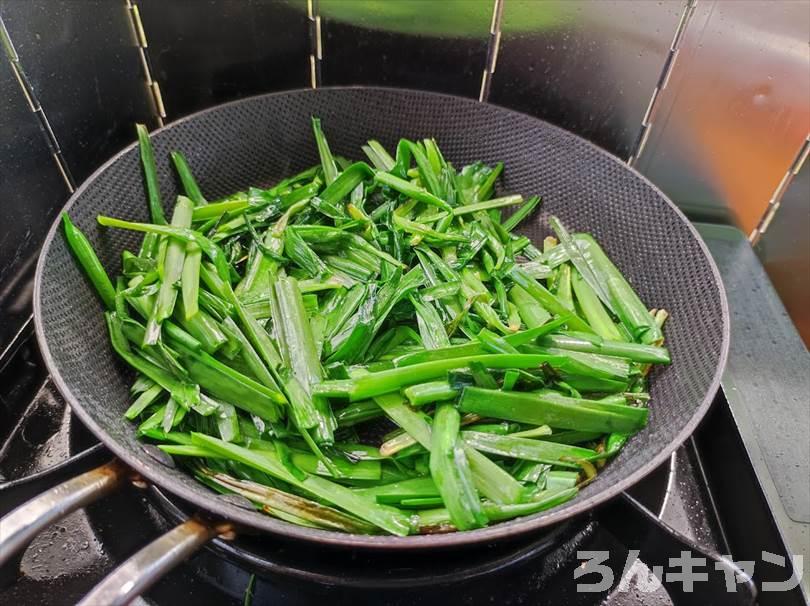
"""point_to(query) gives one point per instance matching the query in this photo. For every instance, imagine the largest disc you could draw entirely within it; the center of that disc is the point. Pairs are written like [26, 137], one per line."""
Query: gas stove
[714, 496]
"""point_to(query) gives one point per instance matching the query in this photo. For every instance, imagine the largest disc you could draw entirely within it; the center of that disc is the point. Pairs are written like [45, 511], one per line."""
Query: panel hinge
[36, 107]
[315, 43]
[493, 47]
[151, 84]
[663, 80]
[776, 199]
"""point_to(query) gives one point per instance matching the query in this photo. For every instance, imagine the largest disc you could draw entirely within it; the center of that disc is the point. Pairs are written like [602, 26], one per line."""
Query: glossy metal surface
[31, 191]
[82, 70]
[735, 111]
[207, 52]
[81, 60]
[146, 567]
[589, 66]
[436, 46]
[784, 249]
[24, 523]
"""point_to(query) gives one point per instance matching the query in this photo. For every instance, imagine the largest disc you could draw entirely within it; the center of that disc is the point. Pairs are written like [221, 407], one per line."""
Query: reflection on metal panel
[31, 191]
[735, 110]
[438, 46]
[83, 66]
[785, 250]
[205, 53]
[588, 66]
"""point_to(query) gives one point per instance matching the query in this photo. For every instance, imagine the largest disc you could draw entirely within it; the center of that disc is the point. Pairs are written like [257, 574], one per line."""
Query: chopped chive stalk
[629, 308]
[450, 471]
[89, 261]
[250, 356]
[428, 393]
[357, 412]
[218, 209]
[491, 480]
[561, 480]
[185, 393]
[534, 432]
[229, 385]
[430, 325]
[190, 280]
[439, 519]
[150, 175]
[489, 204]
[582, 262]
[593, 310]
[187, 179]
[495, 344]
[405, 489]
[143, 401]
[278, 501]
[384, 517]
[386, 161]
[487, 186]
[330, 171]
[300, 352]
[421, 229]
[211, 250]
[228, 423]
[590, 343]
[555, 410]
[410, 190]
[440, 291]
[475, 347]
[563, 286]
[528, 449]
[521, 213]
[546, 299]
[171, 273]
[532, 314]
[201, 326]
[378, 383]
[336, 191]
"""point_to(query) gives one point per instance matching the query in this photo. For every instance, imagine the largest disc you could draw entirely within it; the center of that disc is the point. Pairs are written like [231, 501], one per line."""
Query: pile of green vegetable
[278, 333]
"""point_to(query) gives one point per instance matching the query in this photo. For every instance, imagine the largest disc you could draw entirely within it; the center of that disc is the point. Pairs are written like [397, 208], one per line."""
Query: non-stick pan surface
[260, 140]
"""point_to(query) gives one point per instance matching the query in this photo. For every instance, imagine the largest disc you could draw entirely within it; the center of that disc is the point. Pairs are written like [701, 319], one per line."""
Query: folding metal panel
[735, 110]
[785, 250]
[590, 66]
[207, 52]
[31, 190]
[82, 62]
[438, 46]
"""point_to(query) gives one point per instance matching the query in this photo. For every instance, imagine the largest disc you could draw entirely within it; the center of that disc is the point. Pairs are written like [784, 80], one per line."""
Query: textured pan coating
[260, 140]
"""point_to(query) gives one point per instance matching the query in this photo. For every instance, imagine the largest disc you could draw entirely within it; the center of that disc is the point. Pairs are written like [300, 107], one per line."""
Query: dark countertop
[767, 385]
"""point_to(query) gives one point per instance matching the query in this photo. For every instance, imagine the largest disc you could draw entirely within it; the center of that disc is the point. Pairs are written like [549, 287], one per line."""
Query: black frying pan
[262, 139]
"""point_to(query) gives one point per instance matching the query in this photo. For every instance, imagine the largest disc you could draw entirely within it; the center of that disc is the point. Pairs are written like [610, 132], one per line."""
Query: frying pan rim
[154, 472]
